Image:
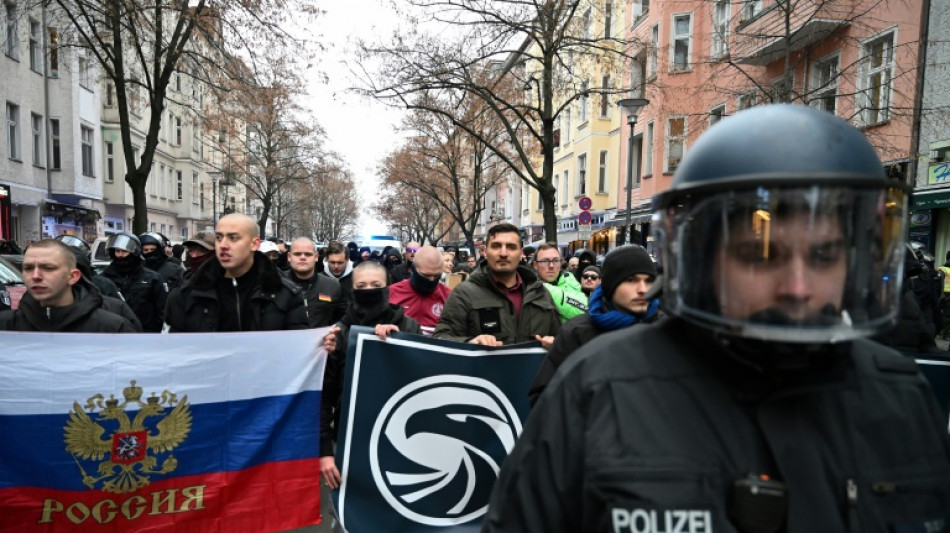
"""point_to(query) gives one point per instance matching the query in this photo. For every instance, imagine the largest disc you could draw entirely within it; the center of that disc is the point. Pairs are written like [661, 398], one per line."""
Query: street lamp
[631, 106]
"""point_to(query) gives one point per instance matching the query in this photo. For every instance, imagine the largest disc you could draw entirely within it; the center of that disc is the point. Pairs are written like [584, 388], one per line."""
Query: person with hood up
[391, 259]
[585, 258]
[142, 288]
[339, 267]
[369, 307]
[619, 302]
[58, 298]
[153, 251]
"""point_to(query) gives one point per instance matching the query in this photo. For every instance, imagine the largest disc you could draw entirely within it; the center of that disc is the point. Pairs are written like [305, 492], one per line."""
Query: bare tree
[412, 217]
[525, 60]
[140, 45]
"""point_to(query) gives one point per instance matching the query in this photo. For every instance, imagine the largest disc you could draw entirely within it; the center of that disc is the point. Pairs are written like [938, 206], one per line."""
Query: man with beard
[153, 250]
[421, 296]
[142, 288]
[369, 307]
[240, 290]
[198, 250]
[58, 298]
[322, 293]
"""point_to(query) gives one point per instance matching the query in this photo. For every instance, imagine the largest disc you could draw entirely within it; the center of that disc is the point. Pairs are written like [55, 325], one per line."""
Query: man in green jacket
[501, 303]
[565, 290]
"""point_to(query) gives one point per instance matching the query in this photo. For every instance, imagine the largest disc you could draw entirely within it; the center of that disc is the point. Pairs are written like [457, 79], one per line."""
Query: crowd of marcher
[747, 363]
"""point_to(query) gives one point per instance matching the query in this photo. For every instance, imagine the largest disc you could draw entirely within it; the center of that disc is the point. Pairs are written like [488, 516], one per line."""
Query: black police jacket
[658, 429]
[276, 303]
[145, 292]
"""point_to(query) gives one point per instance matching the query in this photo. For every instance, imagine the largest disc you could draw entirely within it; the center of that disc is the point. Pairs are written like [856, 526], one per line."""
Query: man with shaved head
[58, 298]
[403, 270]
[239, 290]
[322, 294]
[422, 296]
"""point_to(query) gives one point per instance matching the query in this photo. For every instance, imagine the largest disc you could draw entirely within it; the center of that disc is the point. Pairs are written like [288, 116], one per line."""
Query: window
[640, 9]
[877, 72]
[654, 49]
[13, 131]
[681, 42]
[194, 187]
[567, 123]
[781, 89]
[582, 175]
[110, 162]
[110, 94]
[564, 187]
[717, 113]
[648, 151]
[54, 144]
[540, 201]
[180, 193]
[602, 172]
[86, 136]
[53, 45]
[583, 103]
[750, 8]
[177, 131]
[36, 50]
[85, 78]
[585, 24]
[195, 138]
[608, 18]
[720, 30]
[824, 83]
[638, 76]
[747, 100]
[605, 97]
[36, 127]
[178, 81]
[675, 141]
[11, 31]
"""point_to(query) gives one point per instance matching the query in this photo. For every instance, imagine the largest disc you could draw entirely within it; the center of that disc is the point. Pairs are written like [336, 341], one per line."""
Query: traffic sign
[583, 233]
[585, 203]
[584, 218]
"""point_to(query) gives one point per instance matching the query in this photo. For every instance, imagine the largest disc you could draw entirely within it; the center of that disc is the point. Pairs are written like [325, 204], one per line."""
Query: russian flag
[148, 432]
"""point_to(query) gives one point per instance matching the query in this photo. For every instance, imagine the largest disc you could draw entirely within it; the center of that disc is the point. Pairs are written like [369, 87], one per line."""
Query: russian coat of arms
[129, 464]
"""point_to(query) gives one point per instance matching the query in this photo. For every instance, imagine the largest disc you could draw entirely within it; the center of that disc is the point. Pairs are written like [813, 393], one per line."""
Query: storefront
[62, 218]
[929, 220]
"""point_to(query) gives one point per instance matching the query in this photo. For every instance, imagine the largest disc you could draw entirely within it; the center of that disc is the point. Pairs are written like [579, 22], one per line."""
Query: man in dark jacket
[142, 288]
[239, 290]
[619, 302]
[58, 298]
[501, 303]
[760, 405]
[322, 293]
[339, 267]
[404, 269]
[369, 307]
[153, 251]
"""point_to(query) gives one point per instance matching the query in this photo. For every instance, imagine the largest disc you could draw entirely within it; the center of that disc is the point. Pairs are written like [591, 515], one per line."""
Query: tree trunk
[136, 181]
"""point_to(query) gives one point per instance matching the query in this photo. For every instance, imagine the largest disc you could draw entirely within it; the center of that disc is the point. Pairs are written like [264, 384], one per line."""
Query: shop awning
[931, 198]
[638, 218]
[63, 208]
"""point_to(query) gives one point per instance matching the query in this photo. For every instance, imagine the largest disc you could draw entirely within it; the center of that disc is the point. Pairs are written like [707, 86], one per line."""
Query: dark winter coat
[914, 333]
[401, 272]
[170, 270]
[665, 432]
[323, 297]
[332, 394]
[144, 291]
[85, 315]
[478, 307]
[276, 303]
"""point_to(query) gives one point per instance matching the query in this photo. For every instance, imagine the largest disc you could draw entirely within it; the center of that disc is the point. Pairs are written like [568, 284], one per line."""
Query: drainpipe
[49, 174]
[919, 92]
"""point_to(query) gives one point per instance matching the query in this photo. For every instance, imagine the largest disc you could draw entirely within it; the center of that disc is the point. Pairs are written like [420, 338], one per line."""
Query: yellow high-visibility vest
[946, 277]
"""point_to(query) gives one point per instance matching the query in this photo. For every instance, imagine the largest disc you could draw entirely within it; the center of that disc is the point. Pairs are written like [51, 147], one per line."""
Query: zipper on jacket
[237, 300]
[854, 518]
[49, 315]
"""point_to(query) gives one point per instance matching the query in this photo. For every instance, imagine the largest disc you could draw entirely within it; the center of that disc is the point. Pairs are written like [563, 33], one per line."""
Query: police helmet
[781, 225]
[155, 239]
[124, 241]
[74, 242]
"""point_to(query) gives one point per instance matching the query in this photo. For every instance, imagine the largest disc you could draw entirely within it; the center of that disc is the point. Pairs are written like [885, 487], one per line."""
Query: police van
[377, 243]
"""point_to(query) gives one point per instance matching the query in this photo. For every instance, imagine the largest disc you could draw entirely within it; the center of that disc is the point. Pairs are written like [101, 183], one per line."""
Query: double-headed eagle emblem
[129, 463]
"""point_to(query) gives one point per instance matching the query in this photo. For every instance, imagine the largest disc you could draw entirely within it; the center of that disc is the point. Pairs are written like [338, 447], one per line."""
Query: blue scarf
[606, 318]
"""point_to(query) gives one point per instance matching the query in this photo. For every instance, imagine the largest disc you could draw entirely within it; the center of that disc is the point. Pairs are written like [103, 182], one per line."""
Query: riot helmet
[781, 225]
[124, 241]
[74, 242]
[154, 239]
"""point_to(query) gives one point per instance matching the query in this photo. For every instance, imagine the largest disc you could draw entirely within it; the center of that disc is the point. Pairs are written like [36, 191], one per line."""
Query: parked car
[10, 276]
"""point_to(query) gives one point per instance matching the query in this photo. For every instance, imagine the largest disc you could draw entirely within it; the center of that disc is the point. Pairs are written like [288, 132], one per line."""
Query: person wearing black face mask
[369, 307]
[422, 296]
[153, 251]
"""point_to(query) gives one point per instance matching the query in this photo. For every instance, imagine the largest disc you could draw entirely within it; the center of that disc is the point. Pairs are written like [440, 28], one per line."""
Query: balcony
[762, 39]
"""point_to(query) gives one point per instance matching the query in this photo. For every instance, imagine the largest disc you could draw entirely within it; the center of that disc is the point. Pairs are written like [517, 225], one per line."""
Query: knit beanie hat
[592, 268]
[622, 263]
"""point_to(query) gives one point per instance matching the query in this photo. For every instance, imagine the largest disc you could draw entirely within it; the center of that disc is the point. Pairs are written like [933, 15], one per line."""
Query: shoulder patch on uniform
[898, 365]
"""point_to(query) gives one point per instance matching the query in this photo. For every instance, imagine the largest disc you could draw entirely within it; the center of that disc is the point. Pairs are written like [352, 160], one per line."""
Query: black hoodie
[84, 315]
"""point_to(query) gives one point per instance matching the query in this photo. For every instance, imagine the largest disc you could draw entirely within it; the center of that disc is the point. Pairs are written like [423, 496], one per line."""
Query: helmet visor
[123, 242]
[73, 242]
[812, 264]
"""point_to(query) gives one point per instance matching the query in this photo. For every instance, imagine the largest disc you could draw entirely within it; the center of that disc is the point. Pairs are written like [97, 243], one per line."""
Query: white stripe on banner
[68, 365]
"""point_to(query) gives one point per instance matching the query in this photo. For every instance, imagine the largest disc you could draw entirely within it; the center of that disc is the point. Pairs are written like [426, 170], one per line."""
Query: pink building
[699, 61]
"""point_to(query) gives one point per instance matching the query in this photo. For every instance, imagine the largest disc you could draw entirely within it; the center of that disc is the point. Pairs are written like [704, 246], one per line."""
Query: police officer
[153, 251]
[143, 289]
[759, 405]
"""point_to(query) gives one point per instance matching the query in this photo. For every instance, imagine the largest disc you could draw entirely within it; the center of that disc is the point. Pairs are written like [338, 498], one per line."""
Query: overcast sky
[360, 130]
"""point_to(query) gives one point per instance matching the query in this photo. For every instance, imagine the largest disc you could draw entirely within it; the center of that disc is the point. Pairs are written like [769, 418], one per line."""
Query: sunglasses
[590, 276]
[412, 249]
